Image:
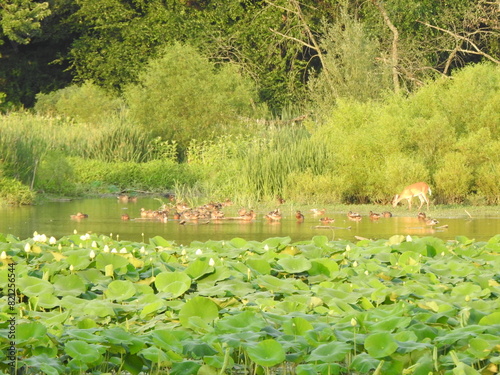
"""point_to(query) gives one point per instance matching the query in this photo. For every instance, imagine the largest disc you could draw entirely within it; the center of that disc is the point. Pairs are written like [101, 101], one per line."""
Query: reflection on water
[104, 217]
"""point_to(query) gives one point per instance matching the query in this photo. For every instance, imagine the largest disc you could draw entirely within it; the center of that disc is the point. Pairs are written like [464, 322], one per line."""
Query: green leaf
[82, 351]
[334, 351]
[201, 307]
[198, 268]
[364, 363]
[295, 264]
[120, 290]
[173, 283]
[70, 285]
[266, 353]
[380, 345]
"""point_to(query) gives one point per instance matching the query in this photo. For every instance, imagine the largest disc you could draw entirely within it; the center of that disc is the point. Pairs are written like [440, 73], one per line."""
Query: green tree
[182, 96]
[20, 20]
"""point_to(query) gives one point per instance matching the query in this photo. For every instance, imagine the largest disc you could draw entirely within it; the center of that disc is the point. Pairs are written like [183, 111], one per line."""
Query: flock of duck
[213, 211]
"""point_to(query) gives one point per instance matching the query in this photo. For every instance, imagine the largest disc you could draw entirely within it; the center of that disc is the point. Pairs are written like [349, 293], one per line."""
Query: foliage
[89, 303]
[14, 192]
[350, 68]
[85, 103]
[20, 20]
[182, 96]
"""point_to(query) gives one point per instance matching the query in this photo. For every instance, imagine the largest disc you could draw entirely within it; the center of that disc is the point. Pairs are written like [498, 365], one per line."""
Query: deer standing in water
[419, 190]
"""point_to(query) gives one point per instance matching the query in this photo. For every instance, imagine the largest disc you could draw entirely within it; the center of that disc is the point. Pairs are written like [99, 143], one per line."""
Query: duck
[280, 199]
[422, 216]
[387, 214]
[216, 214]
[147, 213]
[125, 217]
[299, 216]
[123, 198]
[79, 215]
[430, 222]
[318, 211]
[176, 216]
[326, 220]
[250, 215]
[242, 211]
[353, 215]
[374, 215]
[274, 215]
[228, 202]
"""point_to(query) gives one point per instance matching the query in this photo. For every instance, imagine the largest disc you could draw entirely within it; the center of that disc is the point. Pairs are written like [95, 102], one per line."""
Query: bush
[14, 192]
[55, 175]
[86, 103]
[182, 96]
[154, 175]
[453, 178]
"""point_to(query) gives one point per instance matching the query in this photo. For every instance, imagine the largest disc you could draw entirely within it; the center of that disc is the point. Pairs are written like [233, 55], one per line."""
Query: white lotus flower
[199, 252]
[211, 262]
[3, 255]
[27, 247]
[52, 240]
[106, 249]
[94, 244]
[92, 254]
[123, 251]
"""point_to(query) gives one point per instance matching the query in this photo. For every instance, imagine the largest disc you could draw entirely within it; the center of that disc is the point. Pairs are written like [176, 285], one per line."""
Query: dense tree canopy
[280, 44]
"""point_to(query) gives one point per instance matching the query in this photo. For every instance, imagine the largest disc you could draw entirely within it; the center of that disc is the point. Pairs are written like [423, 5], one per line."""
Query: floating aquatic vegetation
[402, 305]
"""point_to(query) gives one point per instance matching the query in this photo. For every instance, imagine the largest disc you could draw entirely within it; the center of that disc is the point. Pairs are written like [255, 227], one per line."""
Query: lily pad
[267, 353]
[198, 307]
[380, 345]
[173, 283]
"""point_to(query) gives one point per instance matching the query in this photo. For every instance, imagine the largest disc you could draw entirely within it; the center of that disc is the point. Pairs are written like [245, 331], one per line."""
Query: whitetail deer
[420, 189]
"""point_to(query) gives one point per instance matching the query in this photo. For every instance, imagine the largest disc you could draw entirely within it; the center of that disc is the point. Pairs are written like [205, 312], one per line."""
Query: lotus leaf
[152, 307]
[120, 290]
[201, 307]
[166, 340]
[33, 332]
[491, 319]
[262, 266]
[334, 351]
[160, 242]
[45, 300]
[45, 363]
[96, 308]
[173, 283]
[198, 268]
[68, 285]
[104, 259]
[380, 344]
[266, 353]
[297, 326]
[364, 363]
[155, 355]
[295, 264]
[84, 352]
[244, 321]
[87, 335]
[33, 286]
[185, 368]
[197, 349]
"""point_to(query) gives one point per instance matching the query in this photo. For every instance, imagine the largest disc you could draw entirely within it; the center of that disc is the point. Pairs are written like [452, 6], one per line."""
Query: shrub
[14, 192]
[453, 178]
[55, 175]
[182, 96]
[85, 103]
[487, 182]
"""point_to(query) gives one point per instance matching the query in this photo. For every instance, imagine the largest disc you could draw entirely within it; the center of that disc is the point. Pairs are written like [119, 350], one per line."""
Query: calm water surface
[53, 219]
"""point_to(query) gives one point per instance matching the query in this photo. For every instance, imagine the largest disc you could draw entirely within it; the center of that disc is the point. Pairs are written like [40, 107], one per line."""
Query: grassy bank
[446, 134]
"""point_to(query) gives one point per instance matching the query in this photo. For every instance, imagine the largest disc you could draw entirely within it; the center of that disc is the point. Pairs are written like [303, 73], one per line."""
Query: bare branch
[293, 38]
[395, 41]
[461, 37]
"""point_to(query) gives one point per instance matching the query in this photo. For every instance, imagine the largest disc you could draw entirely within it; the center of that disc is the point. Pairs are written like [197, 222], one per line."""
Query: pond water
[104, 217]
